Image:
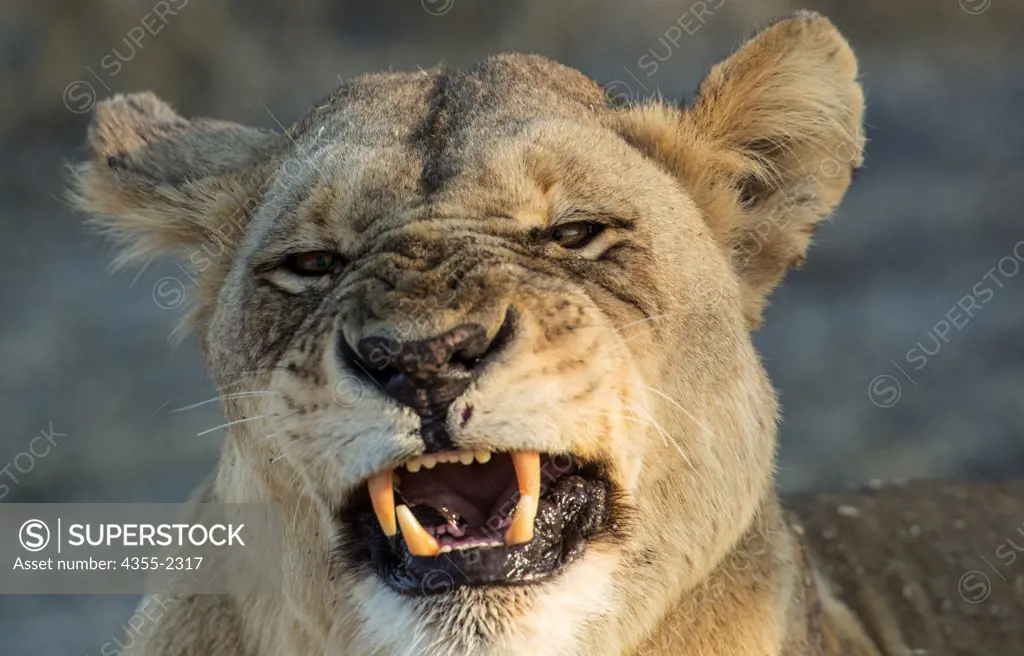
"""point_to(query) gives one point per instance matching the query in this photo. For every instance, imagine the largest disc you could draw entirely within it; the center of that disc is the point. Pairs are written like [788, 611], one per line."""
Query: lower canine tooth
[527, 464]
[420, 542]
[382, 496]
[521, 530]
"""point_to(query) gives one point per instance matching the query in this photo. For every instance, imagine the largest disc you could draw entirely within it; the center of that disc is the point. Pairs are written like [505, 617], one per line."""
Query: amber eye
[575, 235]
[313, 263]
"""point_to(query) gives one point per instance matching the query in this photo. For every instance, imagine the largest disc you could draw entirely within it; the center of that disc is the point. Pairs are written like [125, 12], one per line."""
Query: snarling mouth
[477, 517]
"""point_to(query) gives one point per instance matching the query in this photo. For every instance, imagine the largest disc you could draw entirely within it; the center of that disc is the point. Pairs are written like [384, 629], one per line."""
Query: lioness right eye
[313, 263]
[576, 234]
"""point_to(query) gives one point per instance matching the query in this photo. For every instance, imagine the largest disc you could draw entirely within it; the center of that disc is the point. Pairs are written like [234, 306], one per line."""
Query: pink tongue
[470, 491]
[438, 495]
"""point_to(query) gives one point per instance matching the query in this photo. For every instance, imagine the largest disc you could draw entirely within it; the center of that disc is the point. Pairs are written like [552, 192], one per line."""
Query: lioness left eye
[576, 234]
[313, 263]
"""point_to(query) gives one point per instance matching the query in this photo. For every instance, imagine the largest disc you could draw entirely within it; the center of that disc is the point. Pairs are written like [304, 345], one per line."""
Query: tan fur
[634, 351]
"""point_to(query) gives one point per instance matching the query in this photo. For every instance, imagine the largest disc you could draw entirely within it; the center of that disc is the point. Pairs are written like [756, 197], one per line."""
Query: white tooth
[527, 465]
[466, 457]
[445, 549]
[429, 462]
[521, 530]
[482, 455]
[420, 542]
[414, 465]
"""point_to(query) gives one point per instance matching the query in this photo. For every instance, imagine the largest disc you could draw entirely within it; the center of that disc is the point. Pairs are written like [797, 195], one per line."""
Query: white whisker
[707, 431]
[225, 396]
[232, 423]
[638, 420]
[664, 434]
[644, 320]
[418, 637]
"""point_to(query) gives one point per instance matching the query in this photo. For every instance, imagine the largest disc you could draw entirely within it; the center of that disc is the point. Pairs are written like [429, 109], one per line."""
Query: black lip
[578, 508]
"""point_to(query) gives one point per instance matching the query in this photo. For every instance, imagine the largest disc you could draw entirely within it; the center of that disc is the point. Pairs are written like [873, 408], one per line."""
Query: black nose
[428, 374]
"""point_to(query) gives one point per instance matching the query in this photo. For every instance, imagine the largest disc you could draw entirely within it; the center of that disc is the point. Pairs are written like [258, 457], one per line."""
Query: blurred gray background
[934, 211]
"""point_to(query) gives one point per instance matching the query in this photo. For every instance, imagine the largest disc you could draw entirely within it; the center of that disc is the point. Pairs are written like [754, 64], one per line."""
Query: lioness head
[486, 334]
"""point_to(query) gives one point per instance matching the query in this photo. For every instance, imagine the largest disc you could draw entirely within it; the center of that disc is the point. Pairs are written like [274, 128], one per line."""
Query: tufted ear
[157, 182]
[767, 148]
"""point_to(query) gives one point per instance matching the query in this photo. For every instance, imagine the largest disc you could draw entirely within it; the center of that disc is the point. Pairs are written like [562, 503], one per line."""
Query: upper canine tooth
[382, 496]
[482, 455]
[466, 457]
[521, 530]
[413, 465]
[527, 464]
[420, 542]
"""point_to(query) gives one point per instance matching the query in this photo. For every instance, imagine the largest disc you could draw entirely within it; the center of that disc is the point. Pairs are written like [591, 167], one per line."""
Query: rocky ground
[934, 210]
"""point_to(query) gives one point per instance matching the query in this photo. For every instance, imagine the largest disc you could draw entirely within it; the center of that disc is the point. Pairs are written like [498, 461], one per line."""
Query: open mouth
[477, 517]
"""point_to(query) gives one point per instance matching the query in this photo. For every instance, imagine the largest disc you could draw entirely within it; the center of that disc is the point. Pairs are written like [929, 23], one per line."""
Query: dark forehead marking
[440, 117]
[467, 108]
[434, 135]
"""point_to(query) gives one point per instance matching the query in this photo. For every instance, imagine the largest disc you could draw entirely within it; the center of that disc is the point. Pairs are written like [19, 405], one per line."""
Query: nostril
[502, 337]
[472, 347]
[444, 364]
[374, 357]
[378, 353]
[468, 362]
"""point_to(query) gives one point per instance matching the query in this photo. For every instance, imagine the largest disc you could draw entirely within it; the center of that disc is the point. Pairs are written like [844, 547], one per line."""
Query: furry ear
[768, 147]
[158, 182]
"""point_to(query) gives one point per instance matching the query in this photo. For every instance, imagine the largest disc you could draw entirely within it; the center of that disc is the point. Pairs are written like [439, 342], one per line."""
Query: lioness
[486, 338]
